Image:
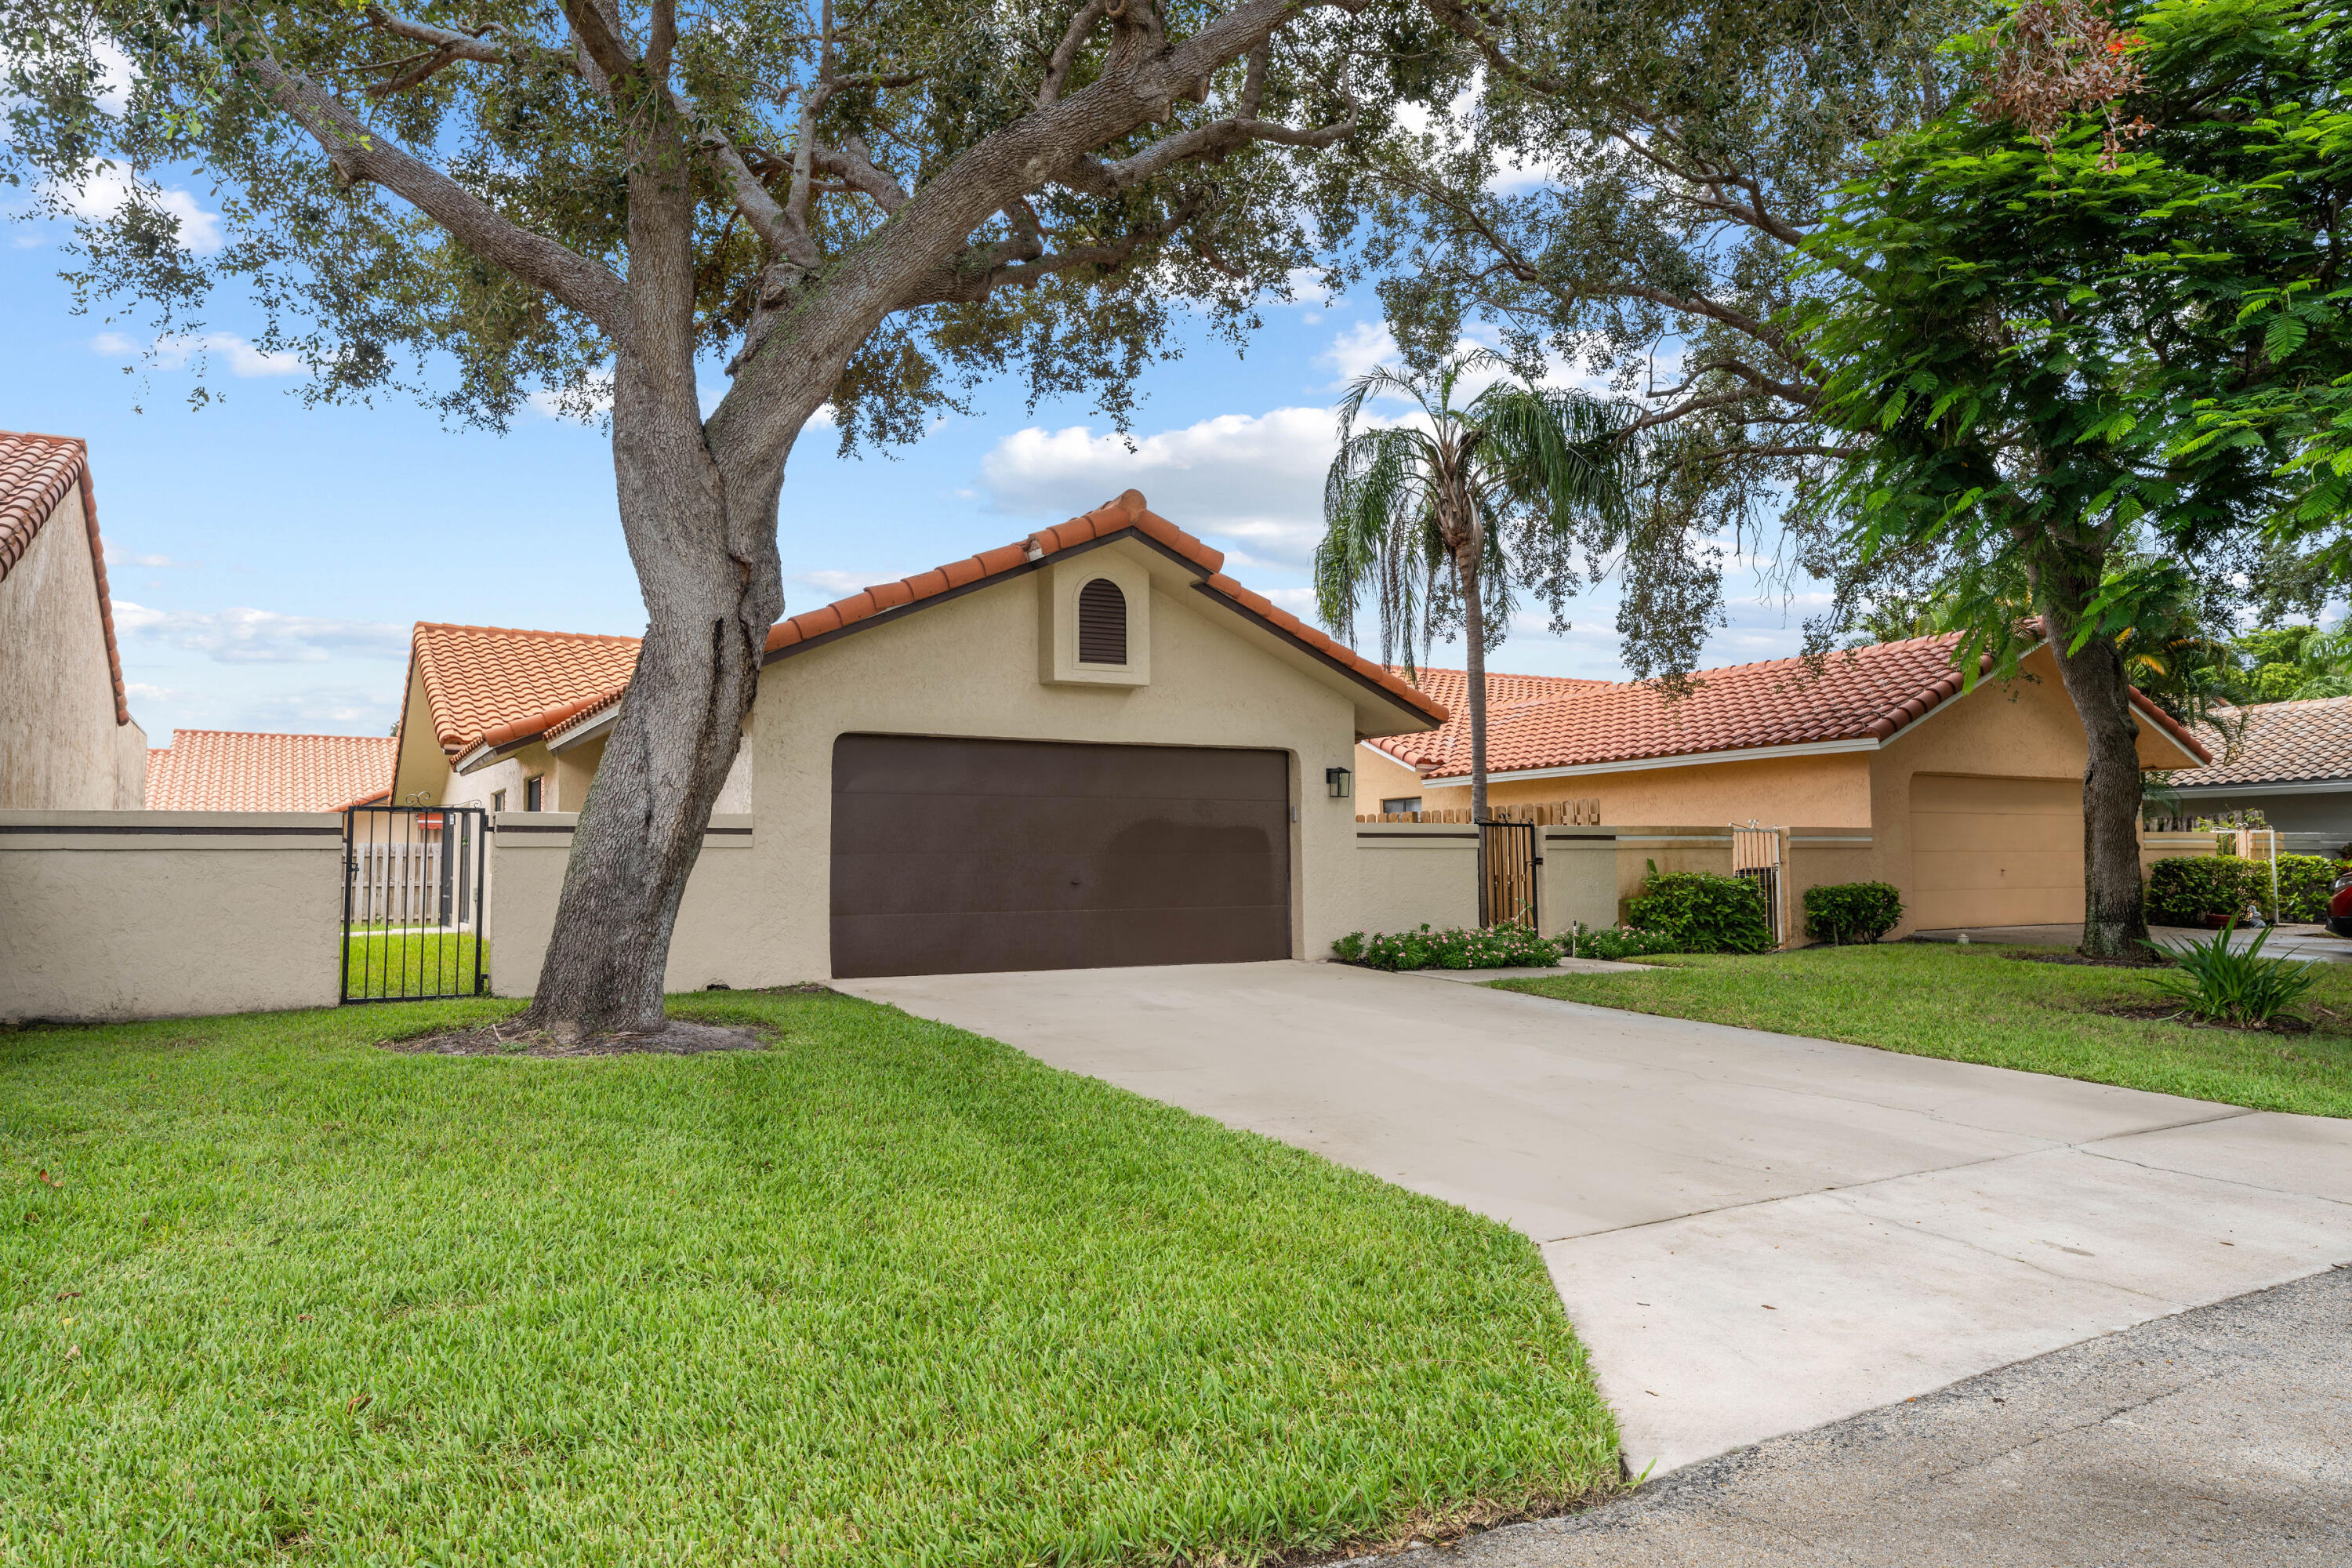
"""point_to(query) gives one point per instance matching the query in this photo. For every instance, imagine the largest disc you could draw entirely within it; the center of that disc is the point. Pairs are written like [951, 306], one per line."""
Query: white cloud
[109, 186]
[344, 710]
[1256, 479]
[124, 558]
[173, 351]
[839, 585]
[587, 403]
[261, 636]
[1360, 349]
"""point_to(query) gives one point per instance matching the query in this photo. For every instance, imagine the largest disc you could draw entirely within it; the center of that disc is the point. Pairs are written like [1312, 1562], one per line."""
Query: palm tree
[1511, 471]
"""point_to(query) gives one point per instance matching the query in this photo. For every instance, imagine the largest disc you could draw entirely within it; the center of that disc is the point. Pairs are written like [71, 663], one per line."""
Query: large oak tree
[861, 204]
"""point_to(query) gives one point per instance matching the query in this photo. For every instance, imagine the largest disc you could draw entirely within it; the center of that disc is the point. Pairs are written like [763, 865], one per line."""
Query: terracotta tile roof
[480, 680]
[1451, 688]
[2283, 743]
[233, 770]
[36, 471]
[1865, 694]
[1128, 513]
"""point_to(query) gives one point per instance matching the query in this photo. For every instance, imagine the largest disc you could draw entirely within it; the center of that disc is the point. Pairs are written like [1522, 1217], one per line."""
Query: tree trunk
[2115, 911]
[701, 532]
[1473, 643]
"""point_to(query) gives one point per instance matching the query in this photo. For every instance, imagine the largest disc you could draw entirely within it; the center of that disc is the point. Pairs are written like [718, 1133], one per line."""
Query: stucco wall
[167, 914]
[718, 934]
[970, 667]
[60, 747]
[1408, 874]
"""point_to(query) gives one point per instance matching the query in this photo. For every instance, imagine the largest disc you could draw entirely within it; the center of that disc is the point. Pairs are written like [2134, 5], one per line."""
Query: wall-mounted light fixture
[1340, 782]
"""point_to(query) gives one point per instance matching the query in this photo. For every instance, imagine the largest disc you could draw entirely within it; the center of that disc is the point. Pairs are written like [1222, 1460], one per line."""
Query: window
[1102, 623]
[530, 793]
[1399, 806]
[498, 801]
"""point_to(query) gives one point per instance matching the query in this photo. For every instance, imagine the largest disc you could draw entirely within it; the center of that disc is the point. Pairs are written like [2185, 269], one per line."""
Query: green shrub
[2182, 890]
[1701, 912]
[1497, 947]
[1614, 943]
[1851, 911]
[2303, 881]
[2240, 986]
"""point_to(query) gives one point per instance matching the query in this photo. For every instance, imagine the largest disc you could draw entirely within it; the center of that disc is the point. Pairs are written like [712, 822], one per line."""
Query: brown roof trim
[30, 512]
[1268, 617]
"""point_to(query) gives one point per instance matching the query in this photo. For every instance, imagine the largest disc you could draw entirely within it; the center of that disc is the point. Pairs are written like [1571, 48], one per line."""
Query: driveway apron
[1755, 1234]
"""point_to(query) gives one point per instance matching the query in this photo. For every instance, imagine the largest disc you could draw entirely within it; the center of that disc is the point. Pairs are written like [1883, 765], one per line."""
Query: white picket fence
[399, 884]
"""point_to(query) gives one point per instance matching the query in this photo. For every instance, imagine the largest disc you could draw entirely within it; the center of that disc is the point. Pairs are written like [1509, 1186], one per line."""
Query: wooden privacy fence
[1543, 814]
[399, 883]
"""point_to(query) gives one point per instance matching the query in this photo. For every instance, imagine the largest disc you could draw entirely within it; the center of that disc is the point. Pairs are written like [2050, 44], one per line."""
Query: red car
[2339, 905]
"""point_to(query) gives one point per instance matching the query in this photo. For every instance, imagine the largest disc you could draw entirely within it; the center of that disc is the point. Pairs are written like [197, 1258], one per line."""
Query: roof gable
[36, 472]
[493, 690]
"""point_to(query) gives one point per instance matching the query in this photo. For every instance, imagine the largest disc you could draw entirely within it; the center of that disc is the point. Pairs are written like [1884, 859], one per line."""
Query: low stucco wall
[1408, 874]
[716, 941]
[159, 914]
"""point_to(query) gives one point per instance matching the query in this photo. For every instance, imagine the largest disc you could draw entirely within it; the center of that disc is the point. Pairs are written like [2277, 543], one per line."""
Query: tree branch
[356, 152]
[1066, 54]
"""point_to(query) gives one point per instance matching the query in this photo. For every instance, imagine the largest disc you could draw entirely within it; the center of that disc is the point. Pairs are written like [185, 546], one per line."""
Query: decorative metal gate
[413, 903]
[1507, 874]
[1756, 857]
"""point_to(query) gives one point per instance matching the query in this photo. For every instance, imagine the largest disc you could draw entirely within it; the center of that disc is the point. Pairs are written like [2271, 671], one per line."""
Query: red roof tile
[1127, 513]
[478, 679]
[232, 770]
[1451, 688]
[36, 471]
[1861, 694]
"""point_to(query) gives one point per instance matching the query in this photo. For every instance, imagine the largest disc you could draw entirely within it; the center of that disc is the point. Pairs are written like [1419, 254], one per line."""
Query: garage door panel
[1007, 882]
[953, 856]
[1995, 851]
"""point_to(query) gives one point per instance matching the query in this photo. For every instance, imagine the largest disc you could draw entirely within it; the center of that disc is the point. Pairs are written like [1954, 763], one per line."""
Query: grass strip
[1980, 1004]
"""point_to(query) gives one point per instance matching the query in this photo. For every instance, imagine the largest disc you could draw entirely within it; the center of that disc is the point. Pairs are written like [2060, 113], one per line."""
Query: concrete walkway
[1756, 1234]
[2219, 1438]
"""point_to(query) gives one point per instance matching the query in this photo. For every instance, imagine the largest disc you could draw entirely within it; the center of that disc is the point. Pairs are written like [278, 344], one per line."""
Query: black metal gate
[1507, 874]
[413, 903]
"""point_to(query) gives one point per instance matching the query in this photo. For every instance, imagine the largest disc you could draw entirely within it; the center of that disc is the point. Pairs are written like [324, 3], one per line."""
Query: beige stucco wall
[156, 914]
[714, 940]
[60, 747]
[1413, 874]
[970, 667]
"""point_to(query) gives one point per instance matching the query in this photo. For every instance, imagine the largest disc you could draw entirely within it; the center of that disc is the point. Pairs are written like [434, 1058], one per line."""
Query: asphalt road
[2217, 1437]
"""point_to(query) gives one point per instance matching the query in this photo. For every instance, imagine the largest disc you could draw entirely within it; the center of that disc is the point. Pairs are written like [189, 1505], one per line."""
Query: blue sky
[267, 560]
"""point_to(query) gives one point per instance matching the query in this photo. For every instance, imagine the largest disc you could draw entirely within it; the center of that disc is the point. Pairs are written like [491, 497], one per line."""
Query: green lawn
[392, 964]
[886, 1292]
[1975, 1003]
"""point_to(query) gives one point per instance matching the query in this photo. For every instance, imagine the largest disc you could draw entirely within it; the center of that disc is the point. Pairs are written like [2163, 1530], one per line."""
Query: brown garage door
[954, 855]
[1988, 852]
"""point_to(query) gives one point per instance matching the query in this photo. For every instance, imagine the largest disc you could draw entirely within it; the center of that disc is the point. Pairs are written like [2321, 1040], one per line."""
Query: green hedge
[1497, 947]
[1701, 912]
[1840, 912]
[2182, 890]
[1614, 943]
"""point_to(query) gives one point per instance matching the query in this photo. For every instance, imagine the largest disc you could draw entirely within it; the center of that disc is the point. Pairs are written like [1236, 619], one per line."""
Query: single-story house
[67, 739]
[238, 769]
[1089, 747]
[2292, 762]
[1969, 802]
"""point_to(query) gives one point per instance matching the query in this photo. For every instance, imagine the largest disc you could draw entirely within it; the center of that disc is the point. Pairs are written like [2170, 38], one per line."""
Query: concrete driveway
[1756, 1234]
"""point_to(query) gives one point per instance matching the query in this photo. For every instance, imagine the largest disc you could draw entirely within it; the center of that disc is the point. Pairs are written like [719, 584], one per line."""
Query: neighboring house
[482, 722]
[1384, 790]
[1087, 748]
[2292, 762]
[236, 770]
[67, 739]
[1970, 804]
